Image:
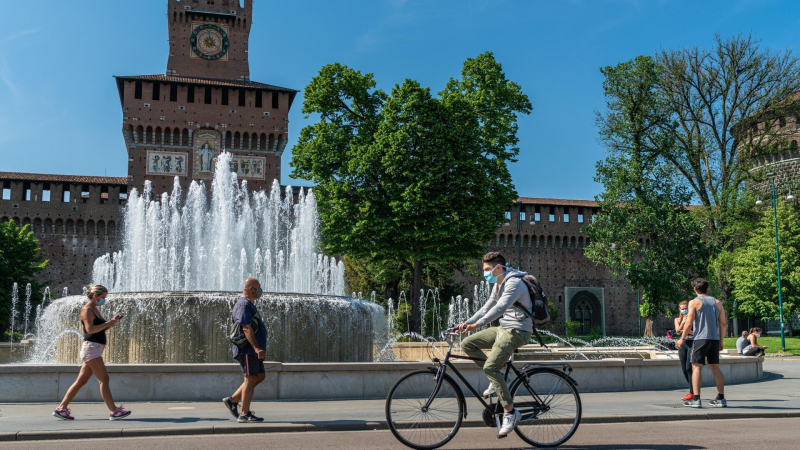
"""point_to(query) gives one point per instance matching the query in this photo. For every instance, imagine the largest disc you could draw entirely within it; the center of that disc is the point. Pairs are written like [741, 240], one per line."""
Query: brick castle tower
[176, 124]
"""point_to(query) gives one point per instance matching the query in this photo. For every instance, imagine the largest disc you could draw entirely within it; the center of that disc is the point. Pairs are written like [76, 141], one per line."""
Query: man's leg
[250, 382]
[719, 379]
[473, 345]
[506, 342]
[697, 378]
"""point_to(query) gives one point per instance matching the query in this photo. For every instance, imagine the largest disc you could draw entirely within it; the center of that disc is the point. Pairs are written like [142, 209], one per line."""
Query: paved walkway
[777, 395]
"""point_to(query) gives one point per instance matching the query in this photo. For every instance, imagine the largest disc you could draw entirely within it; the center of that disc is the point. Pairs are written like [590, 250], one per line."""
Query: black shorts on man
[705, 350]
[251, 365]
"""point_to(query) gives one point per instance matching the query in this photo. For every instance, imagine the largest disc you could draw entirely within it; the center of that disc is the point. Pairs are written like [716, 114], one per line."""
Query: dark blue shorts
[251, 365]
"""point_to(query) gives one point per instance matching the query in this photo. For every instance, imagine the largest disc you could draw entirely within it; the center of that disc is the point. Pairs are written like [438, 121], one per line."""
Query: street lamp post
[774, 198]
[519, 235]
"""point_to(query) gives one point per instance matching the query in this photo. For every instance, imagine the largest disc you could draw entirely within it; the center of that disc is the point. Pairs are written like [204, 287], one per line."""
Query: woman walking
[686, 349]
[94, 342]
[754, 349]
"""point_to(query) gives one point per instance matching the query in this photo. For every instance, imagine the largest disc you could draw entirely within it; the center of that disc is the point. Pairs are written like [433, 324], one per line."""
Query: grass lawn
[773, 342]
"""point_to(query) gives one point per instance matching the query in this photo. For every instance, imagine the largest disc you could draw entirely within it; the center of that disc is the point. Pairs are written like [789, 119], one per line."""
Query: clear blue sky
[60, 113]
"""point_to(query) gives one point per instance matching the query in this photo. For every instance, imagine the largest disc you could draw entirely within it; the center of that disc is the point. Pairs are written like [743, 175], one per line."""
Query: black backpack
[540, 315]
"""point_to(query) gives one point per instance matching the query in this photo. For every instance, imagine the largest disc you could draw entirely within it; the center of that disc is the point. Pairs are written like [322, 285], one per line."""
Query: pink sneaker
[63, 414]
[119, 413]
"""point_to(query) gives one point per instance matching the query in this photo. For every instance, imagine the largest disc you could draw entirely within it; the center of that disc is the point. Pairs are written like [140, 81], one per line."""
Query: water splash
[14, 300]
[202, 243]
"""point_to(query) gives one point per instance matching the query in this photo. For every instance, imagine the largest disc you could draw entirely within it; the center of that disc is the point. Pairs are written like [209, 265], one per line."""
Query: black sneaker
[249, 418]
[232, 407]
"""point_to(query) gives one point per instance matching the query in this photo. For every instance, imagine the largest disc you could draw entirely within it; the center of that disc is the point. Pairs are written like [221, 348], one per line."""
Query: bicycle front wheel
[550, 407]
[415, 425]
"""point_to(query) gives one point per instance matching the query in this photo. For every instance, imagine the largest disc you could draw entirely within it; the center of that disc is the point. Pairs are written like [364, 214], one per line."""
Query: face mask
[100, 302]
[758, 334]
[487, 274]
[258, 293]
[684, 312]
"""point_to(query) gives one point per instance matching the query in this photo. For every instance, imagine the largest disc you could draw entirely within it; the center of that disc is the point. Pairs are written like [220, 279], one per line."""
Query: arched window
[131, 135]
[90, 229]
[148, 135]
[273, 144]
[227, 139]
[37, 226]
[70, 227]
[185, 138]
[112, 229]
[79, 228]
[157, 139]
[139, 134]
[60, 227]
[582, 315]
[263, 142]
[246, 141]
[236, 140]
[48, 226]
[167, 136]
[101, 228]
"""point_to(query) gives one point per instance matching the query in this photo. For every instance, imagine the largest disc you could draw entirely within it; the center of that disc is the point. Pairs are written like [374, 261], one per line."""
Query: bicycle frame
[443, 365]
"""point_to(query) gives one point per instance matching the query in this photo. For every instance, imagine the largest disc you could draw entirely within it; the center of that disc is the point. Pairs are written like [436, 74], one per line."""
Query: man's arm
[511, 292]
[251, 338]
[723, 324]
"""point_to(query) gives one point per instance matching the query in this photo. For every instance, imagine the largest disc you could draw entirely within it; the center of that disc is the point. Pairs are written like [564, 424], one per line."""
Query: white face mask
[758, 334]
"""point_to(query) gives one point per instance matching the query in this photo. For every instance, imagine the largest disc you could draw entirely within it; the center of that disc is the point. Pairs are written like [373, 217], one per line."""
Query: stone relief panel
[250, 167]
[206, 149]
[167, 163]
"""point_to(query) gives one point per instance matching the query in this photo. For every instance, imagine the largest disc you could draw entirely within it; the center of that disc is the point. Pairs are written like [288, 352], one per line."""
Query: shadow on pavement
[177, 419]
[625, 447]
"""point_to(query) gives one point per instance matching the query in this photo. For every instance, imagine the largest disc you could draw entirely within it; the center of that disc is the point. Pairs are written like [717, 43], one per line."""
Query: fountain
[184, 260]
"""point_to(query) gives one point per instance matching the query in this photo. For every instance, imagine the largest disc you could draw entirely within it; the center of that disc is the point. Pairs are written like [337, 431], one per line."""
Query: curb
[354, 426]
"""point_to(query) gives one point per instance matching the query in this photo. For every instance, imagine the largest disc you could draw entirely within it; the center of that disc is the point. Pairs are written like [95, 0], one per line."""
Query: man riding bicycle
[514, 331]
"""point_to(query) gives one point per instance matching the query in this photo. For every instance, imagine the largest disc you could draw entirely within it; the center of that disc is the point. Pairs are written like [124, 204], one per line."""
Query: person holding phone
[248, 340]
[753, 349]
[94, 342]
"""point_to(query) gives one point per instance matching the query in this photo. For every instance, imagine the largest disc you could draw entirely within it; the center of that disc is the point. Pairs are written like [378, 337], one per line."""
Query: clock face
[209, 41]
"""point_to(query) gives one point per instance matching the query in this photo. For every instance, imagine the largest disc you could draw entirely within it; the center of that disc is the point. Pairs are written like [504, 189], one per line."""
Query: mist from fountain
[202, 244]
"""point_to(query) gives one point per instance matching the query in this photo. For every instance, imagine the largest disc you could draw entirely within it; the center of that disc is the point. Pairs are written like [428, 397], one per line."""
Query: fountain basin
[193, 327]
[287, 381]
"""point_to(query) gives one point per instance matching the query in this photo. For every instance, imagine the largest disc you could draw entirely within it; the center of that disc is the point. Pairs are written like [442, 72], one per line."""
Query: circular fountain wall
[193, 327]
[184, 258]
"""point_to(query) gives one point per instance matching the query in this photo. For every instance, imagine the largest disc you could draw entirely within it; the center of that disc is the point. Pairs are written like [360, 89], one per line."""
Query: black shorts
[705, 349]
[251, 365]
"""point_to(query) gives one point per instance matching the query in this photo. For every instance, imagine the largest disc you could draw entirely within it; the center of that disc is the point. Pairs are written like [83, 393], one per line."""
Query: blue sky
[60, 113]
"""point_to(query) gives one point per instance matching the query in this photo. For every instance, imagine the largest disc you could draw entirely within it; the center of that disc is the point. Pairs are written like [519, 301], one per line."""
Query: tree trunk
[414, 296]
[648, 327]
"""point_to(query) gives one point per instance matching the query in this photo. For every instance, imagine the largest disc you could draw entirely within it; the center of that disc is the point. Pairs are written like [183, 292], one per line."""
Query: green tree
[642, 230]
[726, 108]
[754, 269]
[408, 178]
[20, 261]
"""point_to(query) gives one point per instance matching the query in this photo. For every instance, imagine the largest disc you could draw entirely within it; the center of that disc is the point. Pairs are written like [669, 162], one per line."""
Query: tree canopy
[407, 177]
[754, 269]
[20, 261]
[643, 228]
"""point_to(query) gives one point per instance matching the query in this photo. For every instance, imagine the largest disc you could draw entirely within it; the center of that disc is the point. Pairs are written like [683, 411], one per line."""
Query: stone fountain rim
[184, 293]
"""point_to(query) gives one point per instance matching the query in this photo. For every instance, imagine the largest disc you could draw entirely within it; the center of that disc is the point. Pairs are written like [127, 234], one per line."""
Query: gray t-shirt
[741, 343]
[706, 320]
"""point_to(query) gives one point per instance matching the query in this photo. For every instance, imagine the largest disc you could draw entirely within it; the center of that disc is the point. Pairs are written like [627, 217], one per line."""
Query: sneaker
[489, 391]
[718, 403]
[232, 407]
[119, 413]
[249, 418]
[63, 414]
[693, 403]
[509, 423]
[688, 397]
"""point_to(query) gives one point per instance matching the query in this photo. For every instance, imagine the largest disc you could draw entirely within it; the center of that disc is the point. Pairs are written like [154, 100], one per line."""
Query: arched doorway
[585, 310]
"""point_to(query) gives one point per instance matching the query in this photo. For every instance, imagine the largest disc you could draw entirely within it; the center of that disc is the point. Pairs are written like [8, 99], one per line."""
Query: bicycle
[425, 408]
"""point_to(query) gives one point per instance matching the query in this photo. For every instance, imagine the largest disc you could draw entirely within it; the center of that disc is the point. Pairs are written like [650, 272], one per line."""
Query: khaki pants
[503, 342]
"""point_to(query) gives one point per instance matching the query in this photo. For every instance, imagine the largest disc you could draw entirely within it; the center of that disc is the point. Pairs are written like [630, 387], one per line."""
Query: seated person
[742, 342]
[754, 349]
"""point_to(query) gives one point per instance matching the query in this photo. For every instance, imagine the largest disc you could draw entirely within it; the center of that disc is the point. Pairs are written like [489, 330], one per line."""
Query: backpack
[540, 315]
[237, 336]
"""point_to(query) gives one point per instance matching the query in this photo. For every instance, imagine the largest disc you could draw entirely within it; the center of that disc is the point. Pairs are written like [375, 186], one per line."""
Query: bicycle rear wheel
[413, 424]
[550, 407]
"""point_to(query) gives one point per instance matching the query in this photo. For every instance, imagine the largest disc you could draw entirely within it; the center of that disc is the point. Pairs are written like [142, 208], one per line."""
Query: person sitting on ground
[753, 349]
[741, 343]
[514, 331]
[686, 350]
